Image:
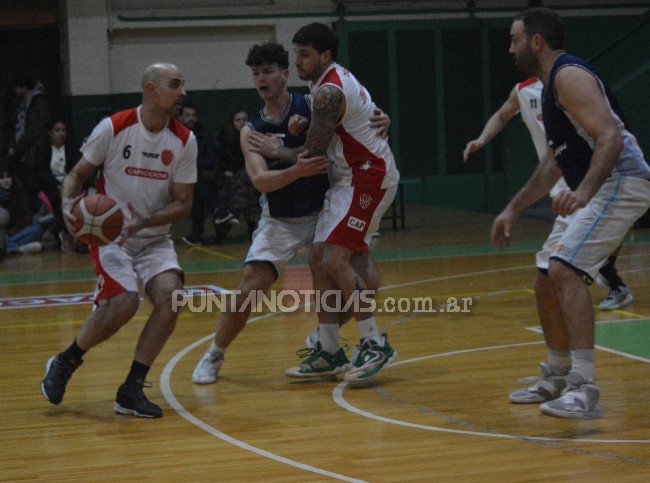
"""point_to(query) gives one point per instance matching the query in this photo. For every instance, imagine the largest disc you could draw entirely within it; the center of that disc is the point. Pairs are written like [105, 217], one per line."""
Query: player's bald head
[156, 72]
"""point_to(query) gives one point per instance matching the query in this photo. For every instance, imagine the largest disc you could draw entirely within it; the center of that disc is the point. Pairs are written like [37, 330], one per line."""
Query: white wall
[87, 59]
[111, 42]
[109, 49]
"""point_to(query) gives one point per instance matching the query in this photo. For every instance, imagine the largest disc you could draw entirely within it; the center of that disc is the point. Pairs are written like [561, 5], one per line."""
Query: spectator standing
[237, 195]
[205, 190]
[30, 115]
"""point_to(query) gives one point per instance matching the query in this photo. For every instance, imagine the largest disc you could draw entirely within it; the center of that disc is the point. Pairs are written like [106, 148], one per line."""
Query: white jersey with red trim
[529, 95]
[140, 167]
[361, 156]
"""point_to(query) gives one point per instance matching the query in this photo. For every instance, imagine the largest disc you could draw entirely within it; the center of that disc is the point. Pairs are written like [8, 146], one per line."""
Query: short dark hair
[189, 105]
[319, 36]
[24, 80]
[268, 53]
[55, 120]
[546, 22]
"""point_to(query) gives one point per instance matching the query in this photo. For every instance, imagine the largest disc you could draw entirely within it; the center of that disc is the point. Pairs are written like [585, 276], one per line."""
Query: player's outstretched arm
[497, 122]
[539, 184]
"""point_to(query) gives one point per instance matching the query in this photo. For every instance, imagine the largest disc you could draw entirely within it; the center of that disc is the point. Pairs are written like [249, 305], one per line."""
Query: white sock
[368, 329]
[215, 348]
[560, 362]
[583, 363]
[328, 335]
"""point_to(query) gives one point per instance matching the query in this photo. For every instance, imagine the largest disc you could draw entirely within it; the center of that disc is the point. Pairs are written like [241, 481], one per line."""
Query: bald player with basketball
[147, 162]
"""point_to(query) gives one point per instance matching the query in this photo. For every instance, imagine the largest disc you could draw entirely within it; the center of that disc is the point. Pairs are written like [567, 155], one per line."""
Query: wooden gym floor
[441, 412]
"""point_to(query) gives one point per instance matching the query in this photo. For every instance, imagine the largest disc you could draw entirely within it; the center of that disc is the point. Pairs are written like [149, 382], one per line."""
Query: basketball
[98, 220]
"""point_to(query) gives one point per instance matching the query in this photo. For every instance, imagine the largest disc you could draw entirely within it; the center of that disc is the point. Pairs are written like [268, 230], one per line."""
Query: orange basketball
[98, 220]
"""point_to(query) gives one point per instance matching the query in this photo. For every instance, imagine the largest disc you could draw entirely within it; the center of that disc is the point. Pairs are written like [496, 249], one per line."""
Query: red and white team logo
[364, 200]
[167, 157]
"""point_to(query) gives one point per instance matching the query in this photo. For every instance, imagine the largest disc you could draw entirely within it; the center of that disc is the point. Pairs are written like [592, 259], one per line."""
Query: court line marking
[213, 252]
[165, 387]
[92, 276]
[543, 443]
[338, 397]
[538, 330]
[175, 404]
[168, 394]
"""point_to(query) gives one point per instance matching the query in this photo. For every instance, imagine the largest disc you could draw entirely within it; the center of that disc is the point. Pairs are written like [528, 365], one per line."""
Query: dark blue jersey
[305, 195]
[572, 146]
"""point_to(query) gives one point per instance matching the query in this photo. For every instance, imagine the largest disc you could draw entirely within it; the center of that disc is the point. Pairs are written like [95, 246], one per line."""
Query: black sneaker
[58, 371]
[130, 399]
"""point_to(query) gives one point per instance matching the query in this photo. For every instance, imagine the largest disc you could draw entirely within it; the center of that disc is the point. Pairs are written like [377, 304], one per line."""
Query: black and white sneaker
[130, 399]
[58, 371]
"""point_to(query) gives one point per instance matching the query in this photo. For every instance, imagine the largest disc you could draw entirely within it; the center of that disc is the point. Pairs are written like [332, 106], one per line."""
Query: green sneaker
[319, 363]
[372, 358]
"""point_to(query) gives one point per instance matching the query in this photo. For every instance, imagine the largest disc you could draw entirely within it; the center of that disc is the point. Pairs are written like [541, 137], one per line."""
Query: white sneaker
[224, 219]
[617, 298]
[580, 400]
[207, 368]
[548, 387]
[31, 247]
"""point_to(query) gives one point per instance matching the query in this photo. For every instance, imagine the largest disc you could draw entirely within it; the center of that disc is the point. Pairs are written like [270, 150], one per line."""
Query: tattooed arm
[328, 107]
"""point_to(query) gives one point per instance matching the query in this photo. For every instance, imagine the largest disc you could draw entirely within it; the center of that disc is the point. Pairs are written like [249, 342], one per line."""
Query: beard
[527, 63]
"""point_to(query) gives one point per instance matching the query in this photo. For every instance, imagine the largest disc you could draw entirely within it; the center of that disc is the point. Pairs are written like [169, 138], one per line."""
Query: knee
[372, 281]
[165, 296]
[122, 307]
[131, 302]
[541, 283]
[560, 274]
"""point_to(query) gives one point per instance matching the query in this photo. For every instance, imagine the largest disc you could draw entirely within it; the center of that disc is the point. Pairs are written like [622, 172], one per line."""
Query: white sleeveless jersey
[529, 95]
[360, 156]
[139, 166]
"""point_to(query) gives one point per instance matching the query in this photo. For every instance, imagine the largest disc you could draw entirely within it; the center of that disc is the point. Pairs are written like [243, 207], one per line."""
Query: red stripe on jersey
[352, 229]
[107, 287]
[332, 77]
[124, 119]
[100, 184]
[526, 83]
[179, 130]
[367, 169]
